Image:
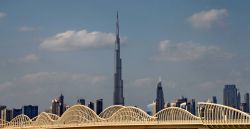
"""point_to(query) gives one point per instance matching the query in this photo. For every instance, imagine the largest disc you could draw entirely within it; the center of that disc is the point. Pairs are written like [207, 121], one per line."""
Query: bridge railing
[216, 114]
[79, 115]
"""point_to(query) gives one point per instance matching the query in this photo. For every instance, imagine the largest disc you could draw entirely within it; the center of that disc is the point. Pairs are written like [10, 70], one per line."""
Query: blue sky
[48, 47]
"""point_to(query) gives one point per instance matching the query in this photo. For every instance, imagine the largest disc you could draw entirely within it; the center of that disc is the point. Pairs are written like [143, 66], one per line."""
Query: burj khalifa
[118, 82]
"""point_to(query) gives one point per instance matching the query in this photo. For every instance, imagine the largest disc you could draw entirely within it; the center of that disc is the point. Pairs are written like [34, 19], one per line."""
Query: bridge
[127, 117]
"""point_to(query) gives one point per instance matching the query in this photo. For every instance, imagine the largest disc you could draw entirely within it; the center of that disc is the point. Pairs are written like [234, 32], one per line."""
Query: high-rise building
[246, 100]
[180, 101]
[2, 107]
[192, 107]
[238, 100]
[81, 101]
[61, 103]
[188, 105]
[99, 106]
[243, 107]
[16, 112]
[214, 99]
[91, 105]
[6, 115]
[3, 115]
[230, 96]
[58, 106]
[55, 107]
[9, 115]
[118, 98]
[30, 111]
[160, 103]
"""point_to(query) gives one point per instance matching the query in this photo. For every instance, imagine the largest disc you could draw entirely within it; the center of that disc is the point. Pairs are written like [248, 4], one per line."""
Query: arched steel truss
[175, 114]
[130, 115]
[20, 121]
[78, 114]
[220, 116]
[108, 112]
[44, 119]
[210, 115]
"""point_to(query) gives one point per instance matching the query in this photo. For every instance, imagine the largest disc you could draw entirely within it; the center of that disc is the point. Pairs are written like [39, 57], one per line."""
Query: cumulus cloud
[150, 81]
[26, 29]
[169, 51]
[2, 15]
[75, 40]
[58, 77]
[206, 19]
[142, 82]
[61, 77]
[30, 58]
[39, 88]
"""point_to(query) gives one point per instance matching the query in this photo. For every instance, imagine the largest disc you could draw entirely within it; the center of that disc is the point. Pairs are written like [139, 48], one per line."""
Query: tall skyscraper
[91, 105]
[185, 103]
[6, 115]
[243, 107]
[246, 100]
[99, 106]
[181, 100]
[2, 108]
[3, 115]
[214, 99]
[61, 101]
[192, 107]
[16, 112]
[159, 97]
[55, 107]
[81, 101]
[230, 95]
[30, 111]
[58, 106]
[9, 115]
[118, 82]
[238, 100]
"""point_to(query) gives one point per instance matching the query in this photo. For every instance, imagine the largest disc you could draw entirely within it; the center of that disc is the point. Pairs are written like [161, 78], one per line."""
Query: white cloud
[39, 88]
[41, 77]
[30, 58]
[5, 85]
[2, 15]
[26, 29]
[206, 19]
[75, 40]
[142, 82]
[152, 82]
[169, 51]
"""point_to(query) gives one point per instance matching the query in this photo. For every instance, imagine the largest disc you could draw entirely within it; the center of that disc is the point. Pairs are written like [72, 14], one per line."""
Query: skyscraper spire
[117, 24]
[118, 82]
[61, 100]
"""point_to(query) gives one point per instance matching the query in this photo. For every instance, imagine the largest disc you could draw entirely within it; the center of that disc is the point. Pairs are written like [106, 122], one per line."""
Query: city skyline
[197, 50]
